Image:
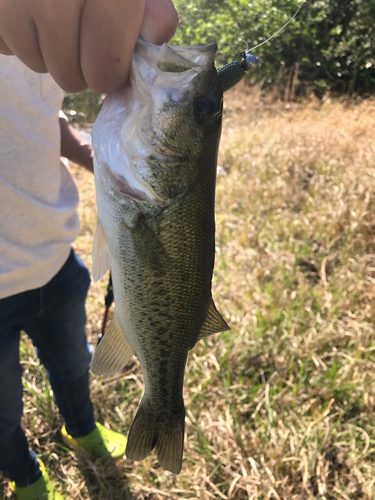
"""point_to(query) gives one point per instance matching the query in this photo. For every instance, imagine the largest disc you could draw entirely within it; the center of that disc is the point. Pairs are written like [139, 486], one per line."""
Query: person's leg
[59, 335]
[17, 462]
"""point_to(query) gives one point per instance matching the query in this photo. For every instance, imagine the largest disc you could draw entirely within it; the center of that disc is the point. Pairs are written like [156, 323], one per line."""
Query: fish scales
[183, 276]
[156, 232]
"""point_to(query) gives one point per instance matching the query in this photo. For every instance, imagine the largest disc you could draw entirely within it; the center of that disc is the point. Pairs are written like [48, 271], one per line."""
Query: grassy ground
[281, 407]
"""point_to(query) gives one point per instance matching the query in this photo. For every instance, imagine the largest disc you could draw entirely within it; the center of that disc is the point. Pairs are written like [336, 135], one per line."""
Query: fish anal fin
[113, 352]
[214, 322]
[165, 434]
[101, 258]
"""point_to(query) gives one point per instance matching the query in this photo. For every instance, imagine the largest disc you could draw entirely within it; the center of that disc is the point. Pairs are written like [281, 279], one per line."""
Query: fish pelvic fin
[214, 322]
[113, 352]
[101, 258]
[164, 433]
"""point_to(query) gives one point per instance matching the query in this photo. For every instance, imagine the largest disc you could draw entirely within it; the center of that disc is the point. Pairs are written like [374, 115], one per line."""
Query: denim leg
[17, 462]
[59, 335]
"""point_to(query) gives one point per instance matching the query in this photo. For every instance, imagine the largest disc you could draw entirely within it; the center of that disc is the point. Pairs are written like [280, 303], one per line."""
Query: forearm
[74, 147]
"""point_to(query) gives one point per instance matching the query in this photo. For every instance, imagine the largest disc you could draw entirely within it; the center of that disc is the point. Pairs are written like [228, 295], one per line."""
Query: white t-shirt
[38, 197]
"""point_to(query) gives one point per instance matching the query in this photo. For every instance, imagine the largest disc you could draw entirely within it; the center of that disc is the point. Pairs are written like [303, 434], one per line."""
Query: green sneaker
[41, 489]
[99, 443]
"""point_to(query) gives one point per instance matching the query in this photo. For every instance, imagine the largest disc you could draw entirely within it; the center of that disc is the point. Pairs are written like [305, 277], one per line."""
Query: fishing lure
[233, 72]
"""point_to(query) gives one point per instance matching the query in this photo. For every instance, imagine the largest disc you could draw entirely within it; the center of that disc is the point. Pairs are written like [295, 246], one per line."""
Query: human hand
[83, 43]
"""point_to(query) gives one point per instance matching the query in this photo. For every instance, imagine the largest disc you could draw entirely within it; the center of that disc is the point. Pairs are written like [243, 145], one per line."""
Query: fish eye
[204, 107]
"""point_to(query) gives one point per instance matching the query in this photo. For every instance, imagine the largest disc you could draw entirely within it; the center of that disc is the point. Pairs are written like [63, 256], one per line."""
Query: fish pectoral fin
[101, 258]
[149, 246]
[113, 352]
[165, 434]
[214, 322]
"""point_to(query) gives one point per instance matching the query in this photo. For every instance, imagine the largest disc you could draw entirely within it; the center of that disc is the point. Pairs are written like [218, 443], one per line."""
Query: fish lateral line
[278, 31]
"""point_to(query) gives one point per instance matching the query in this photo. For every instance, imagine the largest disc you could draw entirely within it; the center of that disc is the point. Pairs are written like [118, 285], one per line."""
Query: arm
[83, 43]
[74, 147]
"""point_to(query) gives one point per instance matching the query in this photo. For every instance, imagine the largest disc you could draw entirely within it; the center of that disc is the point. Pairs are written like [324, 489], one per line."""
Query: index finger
[4, 49]
[160, 21]
[109, 32]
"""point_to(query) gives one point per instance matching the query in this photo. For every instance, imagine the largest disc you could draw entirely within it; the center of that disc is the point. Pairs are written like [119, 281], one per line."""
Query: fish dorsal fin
[113, 352]
[214, 323]
[101, 258]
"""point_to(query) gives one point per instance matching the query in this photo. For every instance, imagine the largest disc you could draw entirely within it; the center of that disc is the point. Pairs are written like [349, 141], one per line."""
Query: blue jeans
[54, 318]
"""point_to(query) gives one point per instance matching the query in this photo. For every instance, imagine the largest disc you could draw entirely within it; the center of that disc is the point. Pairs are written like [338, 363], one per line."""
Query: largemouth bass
[156, 145]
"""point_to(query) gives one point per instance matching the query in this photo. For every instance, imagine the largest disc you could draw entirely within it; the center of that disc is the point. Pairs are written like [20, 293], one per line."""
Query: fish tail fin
[170, 442]
[165, 434]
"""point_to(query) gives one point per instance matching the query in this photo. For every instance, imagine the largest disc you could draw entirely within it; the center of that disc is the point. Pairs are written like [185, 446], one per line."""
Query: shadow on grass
[104, 478]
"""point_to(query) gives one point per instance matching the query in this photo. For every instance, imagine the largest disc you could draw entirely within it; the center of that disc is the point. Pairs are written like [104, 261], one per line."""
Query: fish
[155, 157]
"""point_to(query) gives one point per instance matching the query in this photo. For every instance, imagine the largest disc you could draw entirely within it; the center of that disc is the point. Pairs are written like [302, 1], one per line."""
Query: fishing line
[277, 32]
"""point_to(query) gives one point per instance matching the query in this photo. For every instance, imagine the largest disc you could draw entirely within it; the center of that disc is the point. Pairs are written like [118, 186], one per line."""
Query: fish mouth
[162, 76]
[167, 74]
[174, 59]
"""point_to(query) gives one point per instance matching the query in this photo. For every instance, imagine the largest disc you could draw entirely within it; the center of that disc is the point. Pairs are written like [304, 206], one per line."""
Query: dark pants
[54, 318]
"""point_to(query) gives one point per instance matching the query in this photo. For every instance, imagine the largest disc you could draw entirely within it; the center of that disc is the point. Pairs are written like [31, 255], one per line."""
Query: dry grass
[281, 407]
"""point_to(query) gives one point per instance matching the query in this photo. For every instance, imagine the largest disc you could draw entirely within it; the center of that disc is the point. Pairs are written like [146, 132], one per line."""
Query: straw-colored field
[282, 406]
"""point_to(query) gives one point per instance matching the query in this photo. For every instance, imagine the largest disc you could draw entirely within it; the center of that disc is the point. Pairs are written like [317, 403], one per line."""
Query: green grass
[282, 406]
